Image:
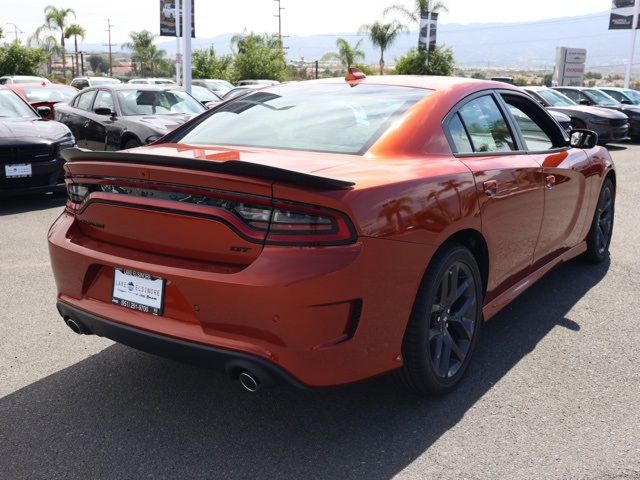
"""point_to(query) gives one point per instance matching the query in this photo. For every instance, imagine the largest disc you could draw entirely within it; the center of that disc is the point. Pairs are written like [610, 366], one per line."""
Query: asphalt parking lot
[554, 391]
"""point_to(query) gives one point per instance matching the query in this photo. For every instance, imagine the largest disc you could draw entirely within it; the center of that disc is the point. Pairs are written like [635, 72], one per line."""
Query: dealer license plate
[138, 291]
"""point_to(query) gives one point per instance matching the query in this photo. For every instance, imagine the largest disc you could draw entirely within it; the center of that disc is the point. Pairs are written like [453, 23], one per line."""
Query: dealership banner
[169, 16]
[428, 28]
[622, 14]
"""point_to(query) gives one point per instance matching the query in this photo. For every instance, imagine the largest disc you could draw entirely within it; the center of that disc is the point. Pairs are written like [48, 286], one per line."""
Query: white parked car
[85, 82]
[12, 79]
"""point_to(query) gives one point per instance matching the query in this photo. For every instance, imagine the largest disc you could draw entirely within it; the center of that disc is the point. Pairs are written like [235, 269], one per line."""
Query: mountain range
[513, 45]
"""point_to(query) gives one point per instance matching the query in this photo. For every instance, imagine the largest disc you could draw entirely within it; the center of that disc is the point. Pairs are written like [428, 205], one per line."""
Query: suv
[152, 81]
[85, 82]
[13, 79]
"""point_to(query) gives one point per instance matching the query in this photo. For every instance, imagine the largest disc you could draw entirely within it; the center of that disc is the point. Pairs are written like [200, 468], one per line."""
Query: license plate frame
[18, 170]
[138, 291]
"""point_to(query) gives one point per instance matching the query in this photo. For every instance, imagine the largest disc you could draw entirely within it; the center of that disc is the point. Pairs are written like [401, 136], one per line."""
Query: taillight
[276, 222]
[301, 224]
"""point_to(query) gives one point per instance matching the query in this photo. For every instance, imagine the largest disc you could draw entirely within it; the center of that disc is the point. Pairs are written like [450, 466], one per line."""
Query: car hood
[34, 128]
[161, 123]
[609, 113]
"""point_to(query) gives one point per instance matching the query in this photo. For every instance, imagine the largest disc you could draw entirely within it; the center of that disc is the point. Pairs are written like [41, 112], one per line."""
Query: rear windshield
[335, 118]
[51, 94]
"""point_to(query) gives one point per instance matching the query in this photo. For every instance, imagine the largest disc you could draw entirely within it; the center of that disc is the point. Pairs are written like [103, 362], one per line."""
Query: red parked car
[324, 232]
[44, 94]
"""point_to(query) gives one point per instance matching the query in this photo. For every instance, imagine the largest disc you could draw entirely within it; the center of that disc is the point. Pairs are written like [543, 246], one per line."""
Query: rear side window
[104, 100]
[459, 135]
[487, 127]
[85, 100]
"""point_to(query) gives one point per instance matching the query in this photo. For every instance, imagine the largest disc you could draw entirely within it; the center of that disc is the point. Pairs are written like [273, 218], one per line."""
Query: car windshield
[633, 95]
[336, 118]
[163, 82]
[51, 94]
[12, 106]
[600, 98]
[555, 99]
[104, 81]
[218, 85]
[157, 102]
[203, 94]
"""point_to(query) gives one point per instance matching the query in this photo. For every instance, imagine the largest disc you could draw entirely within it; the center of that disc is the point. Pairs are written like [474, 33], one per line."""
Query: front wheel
[444, 325]
[599, 237]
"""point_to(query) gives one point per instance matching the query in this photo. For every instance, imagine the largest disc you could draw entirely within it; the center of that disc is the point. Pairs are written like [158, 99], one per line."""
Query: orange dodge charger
[324, 232]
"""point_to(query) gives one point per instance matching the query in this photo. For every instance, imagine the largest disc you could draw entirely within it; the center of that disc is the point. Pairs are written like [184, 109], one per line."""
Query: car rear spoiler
[231, 167]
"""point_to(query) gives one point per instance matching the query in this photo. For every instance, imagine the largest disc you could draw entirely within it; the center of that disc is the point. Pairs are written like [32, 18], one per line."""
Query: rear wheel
[444, 325]
[599, 237]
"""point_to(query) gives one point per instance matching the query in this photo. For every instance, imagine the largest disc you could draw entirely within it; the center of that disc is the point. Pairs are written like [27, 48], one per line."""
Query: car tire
[131, 143]
[601, 231]
[442, 331]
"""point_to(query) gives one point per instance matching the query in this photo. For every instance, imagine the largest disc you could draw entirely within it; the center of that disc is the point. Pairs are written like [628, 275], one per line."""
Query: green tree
[347, 54]
[259, 57]
[416, 62]
[56, 20]
[98, 63]
[16, 59]
[74, 30]
[150, 59]
[419, 6]
[206, 64]
[382, 35]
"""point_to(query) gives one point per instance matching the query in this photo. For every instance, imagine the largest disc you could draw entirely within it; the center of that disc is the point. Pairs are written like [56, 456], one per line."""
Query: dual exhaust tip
[249, 381]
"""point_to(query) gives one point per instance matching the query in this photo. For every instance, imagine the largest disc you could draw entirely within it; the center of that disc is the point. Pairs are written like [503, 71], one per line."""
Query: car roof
[616, 89]
[131, 86]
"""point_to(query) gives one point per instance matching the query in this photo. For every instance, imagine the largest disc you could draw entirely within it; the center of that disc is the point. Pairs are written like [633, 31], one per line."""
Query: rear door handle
[551, 181]
[491, 188]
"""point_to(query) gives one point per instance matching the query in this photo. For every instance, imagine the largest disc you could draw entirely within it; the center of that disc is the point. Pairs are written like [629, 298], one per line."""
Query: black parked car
[30, 148]
[597, 98]
[113, 117]
[611, 126]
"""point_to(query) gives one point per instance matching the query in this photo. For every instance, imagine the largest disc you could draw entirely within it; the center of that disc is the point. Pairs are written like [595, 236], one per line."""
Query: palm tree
[56, 19]
[419, 7]
[144, 51]
[47, 43]
[383, 35]
[347, 54]
[74, 30]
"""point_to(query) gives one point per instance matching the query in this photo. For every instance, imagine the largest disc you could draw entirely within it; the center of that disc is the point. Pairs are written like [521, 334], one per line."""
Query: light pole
[110, 45]
[279, 15]
[16, 30]
[186, 43]
[632, 48]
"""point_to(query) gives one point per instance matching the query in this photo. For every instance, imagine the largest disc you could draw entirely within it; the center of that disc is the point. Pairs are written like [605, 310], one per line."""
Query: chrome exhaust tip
[73, 325]
[249, 382]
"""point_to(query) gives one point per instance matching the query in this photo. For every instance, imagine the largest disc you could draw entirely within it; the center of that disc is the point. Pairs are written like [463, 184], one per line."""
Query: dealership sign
[622, 14]
[570, 67]
[428, 30]
[169, 16]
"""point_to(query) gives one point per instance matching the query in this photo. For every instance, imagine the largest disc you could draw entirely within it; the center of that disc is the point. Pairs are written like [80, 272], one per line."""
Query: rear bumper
[227, 361]
[324, 316]
[46, 177]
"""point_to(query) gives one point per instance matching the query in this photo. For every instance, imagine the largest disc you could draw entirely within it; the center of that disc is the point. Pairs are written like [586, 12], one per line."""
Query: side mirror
[107, 112]
[584, 101]
[583, 139]
[44, 112]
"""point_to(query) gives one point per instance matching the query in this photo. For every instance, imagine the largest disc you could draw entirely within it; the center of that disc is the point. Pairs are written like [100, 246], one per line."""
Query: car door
[101, 130]
[565, 173]
[75, 117]
[510, 186]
